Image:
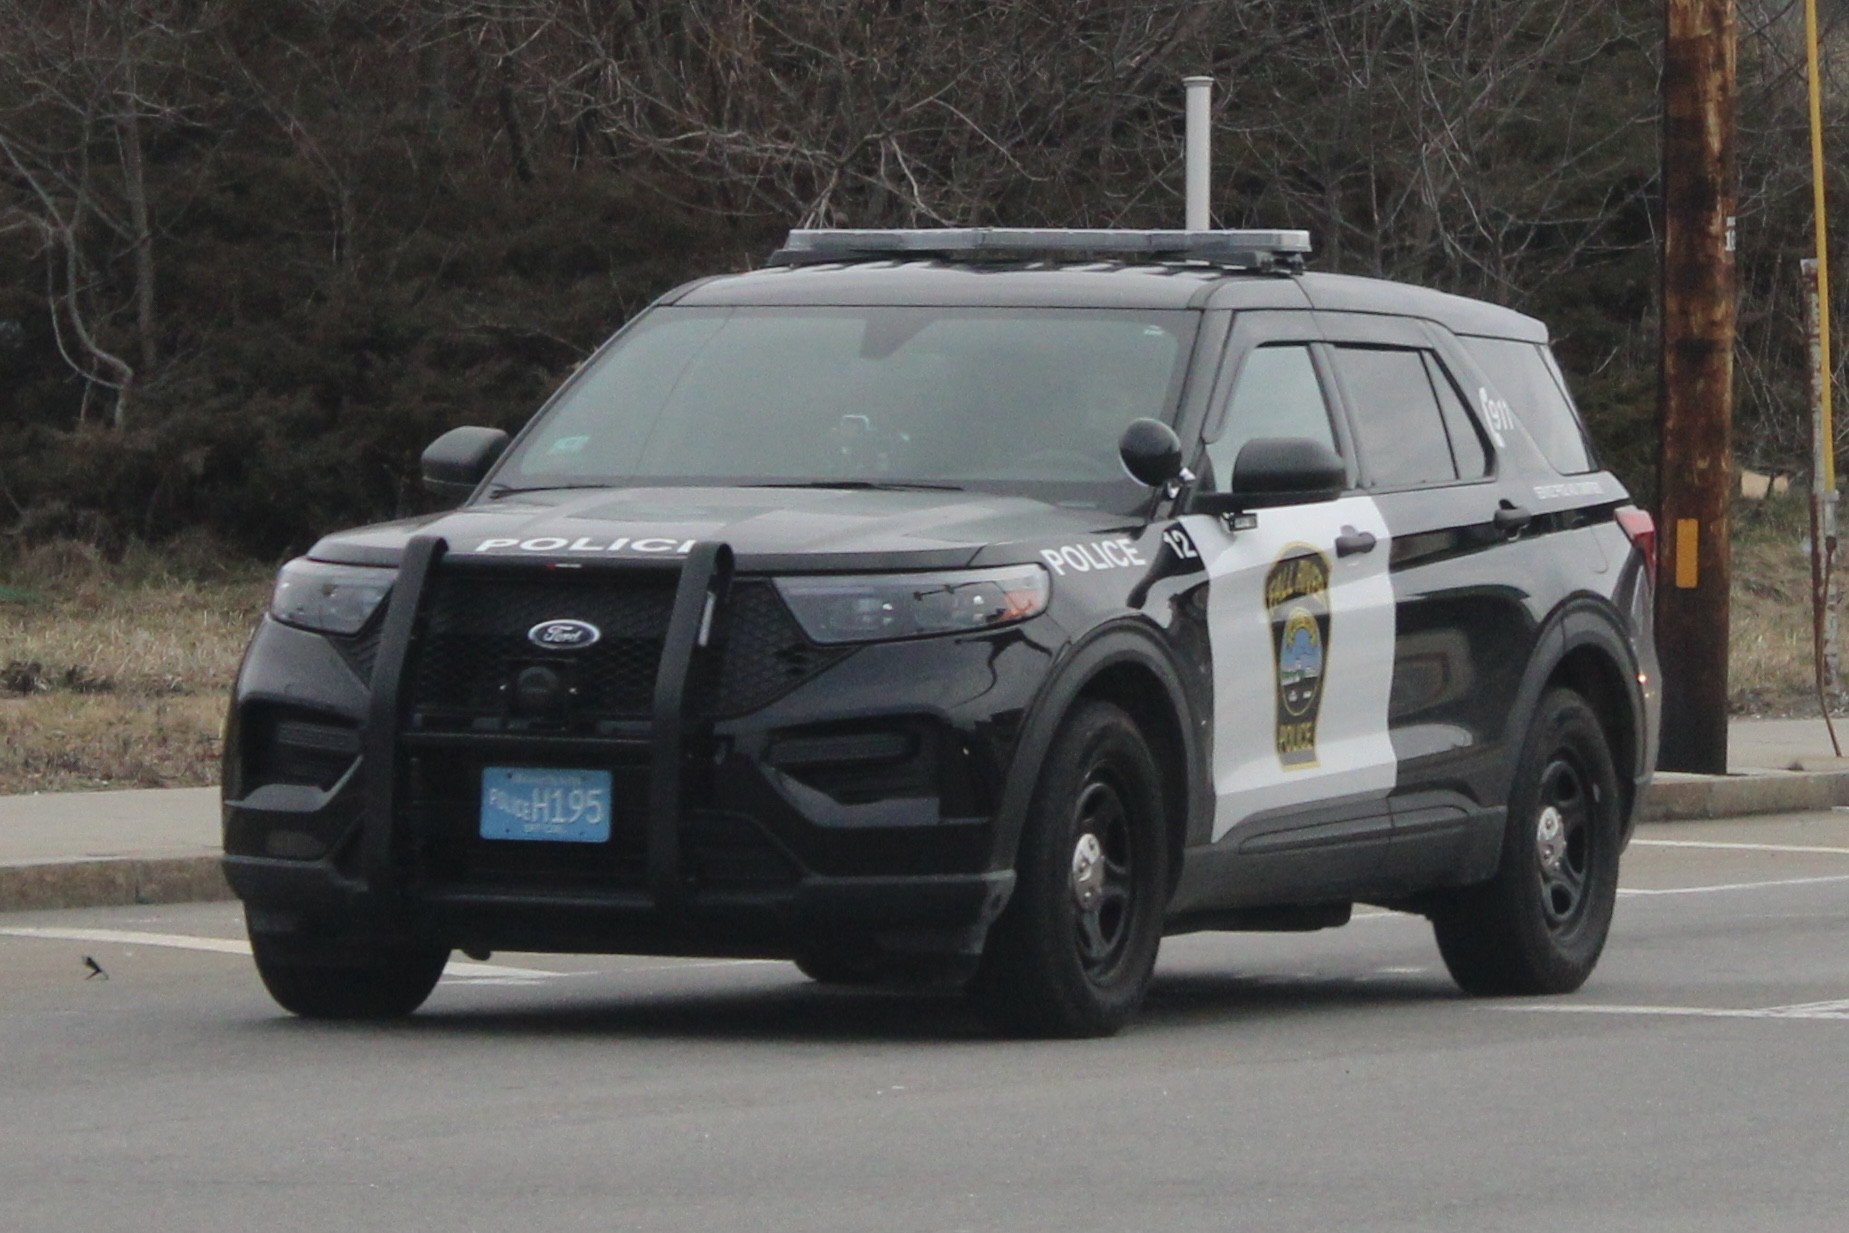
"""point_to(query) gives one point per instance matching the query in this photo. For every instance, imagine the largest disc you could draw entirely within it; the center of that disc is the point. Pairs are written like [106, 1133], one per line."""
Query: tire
[1539, 925]
[320, 980]
[1073, 952]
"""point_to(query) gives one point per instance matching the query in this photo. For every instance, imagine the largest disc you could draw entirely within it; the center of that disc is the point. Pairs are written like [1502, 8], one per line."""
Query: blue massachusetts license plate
[525, 802]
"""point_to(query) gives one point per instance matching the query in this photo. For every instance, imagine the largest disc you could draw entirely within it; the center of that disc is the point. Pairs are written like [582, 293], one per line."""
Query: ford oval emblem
[564, 635]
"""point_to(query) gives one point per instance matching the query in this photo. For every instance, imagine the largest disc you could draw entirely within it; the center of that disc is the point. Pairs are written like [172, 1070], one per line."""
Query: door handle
[1511, 518]
[1352, 542]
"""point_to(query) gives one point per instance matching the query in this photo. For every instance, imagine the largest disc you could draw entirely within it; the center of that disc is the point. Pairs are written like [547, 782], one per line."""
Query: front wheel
[323, 980]
[1073, 953]
[1539, 925]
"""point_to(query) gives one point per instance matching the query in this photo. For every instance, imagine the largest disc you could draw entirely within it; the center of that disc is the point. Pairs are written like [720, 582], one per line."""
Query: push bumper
[696, 872]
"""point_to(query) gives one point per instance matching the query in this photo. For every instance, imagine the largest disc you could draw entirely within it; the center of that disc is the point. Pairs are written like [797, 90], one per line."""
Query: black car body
[770, 634]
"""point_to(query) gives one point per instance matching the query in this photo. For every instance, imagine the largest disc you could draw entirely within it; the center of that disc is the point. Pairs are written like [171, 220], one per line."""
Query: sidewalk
[101, 849]
[1774, 766]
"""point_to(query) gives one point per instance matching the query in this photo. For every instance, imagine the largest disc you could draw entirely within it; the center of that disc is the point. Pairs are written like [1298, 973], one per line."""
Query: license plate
[541, 803]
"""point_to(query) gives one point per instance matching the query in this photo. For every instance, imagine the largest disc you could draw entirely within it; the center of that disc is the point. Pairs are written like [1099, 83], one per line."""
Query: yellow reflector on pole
[1688, 553]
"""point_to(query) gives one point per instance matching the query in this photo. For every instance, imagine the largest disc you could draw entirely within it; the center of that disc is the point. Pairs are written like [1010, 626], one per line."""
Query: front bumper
[946, 914]
[857, 810]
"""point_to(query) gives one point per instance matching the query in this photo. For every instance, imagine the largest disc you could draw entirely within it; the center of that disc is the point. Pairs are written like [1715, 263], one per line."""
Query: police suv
[974, 607]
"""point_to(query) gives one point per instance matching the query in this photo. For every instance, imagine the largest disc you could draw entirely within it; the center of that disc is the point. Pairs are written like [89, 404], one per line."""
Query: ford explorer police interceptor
[976, 607]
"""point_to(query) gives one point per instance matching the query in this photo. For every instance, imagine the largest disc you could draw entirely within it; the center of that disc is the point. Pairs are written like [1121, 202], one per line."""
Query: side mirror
[456, 461]
[1151, 452]
[1273, 471]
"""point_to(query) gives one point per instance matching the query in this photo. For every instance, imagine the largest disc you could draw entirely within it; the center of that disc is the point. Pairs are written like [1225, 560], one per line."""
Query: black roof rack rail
[1245, 250]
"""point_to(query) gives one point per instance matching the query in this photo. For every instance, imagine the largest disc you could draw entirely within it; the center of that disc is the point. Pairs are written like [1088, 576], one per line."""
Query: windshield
[1018, 400]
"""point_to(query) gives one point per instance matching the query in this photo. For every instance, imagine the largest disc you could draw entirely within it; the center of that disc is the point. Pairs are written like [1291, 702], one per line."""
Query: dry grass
[1770, 665]
[115, 674]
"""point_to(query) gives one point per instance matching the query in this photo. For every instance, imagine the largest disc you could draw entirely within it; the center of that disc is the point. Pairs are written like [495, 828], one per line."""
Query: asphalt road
[1323, 1081]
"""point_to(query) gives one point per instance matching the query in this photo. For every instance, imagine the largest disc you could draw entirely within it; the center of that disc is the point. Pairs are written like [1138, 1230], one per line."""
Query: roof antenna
[1200, 150]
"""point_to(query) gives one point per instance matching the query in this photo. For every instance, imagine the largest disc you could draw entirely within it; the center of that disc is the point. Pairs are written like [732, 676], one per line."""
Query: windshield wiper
[508, 490]
[867, 485]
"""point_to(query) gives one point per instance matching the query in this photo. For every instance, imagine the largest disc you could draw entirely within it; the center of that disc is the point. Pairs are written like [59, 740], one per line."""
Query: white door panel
[1302, 657]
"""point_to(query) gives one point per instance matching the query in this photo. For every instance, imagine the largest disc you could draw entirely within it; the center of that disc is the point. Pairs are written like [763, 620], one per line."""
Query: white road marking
[708, 963]
[1808, 1010]
[461, 971]
[1628, 891]
[466, 971]
[123, 937]
[1739, 847]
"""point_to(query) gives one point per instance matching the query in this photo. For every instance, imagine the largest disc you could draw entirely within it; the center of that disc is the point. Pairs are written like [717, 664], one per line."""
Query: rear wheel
[1540, 924]
[318, 979]
[1073, 952]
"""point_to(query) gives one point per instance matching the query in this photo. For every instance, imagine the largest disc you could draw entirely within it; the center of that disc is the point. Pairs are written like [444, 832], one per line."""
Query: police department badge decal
[1297, 601]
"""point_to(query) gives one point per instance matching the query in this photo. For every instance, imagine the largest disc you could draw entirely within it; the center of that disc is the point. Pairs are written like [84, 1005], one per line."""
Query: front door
[1301, 616]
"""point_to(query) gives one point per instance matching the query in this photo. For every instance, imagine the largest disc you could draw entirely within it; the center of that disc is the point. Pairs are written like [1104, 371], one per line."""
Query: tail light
[1641, 528]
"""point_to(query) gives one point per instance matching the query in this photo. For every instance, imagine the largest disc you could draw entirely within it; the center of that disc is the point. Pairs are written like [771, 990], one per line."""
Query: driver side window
[1277, 395]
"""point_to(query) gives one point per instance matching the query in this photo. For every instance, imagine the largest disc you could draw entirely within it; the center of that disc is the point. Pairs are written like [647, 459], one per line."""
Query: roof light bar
[1260, 250]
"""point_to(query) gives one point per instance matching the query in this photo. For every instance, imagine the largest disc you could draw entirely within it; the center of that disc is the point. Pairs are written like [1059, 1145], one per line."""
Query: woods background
[255, 254]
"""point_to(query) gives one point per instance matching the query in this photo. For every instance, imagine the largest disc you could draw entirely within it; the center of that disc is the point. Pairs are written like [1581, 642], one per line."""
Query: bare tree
[74, 104]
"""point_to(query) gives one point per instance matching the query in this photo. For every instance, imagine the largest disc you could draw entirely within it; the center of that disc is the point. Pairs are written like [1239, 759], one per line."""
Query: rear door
[1461, 573]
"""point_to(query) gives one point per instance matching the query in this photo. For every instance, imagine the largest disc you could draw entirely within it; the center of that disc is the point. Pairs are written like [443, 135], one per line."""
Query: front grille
[475, 640]
[478, 693]
[473, 646]
[765, 653]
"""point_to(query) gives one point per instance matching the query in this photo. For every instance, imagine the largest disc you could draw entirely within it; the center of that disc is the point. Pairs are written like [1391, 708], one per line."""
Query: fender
[1126, 641]
[1584, 623]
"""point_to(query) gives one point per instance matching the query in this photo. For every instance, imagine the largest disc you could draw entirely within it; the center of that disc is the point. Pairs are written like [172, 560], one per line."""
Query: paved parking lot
[1317, 1081]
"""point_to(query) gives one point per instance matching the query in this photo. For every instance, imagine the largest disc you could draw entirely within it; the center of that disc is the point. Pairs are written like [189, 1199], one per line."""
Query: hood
[767, 528]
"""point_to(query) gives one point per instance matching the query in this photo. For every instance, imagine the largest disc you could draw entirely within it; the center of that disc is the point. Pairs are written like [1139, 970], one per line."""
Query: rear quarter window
[1525, 374]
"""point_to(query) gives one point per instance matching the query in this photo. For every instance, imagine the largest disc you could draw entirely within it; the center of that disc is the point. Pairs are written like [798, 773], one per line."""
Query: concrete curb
[1677, 797]
[111, 883]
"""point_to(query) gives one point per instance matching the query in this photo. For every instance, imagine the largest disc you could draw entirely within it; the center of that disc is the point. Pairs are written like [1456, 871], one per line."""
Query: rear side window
[1526, 376]
[1399, 426]
[1467, 448]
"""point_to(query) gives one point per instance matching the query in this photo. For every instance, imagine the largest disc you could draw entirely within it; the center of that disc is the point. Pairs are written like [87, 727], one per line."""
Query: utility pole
[1696, 477]
[1826, 592]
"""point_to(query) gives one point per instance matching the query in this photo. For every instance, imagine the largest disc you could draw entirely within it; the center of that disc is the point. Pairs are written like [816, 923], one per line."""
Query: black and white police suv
[970, 606]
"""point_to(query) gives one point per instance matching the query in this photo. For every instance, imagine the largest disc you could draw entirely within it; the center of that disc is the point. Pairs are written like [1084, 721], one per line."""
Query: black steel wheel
[1073, 953]
[1540, 924]
[321, 979]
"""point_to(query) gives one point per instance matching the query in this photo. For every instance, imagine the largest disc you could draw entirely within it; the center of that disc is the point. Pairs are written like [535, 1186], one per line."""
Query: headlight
[335, 599]
[870, 608]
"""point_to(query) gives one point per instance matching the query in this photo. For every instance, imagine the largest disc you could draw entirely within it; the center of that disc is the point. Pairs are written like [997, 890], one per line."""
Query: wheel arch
[1128, 666]
[1585, 649]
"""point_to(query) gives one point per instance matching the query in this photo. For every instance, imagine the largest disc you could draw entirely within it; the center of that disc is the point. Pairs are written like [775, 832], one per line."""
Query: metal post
[1696, 475]
[1826, 595]
[1200, 151]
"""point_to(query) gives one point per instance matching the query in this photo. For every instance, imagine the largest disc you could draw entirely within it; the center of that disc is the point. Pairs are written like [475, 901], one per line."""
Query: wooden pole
[1824, 588]
[1825, 659]
[1696, 477]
